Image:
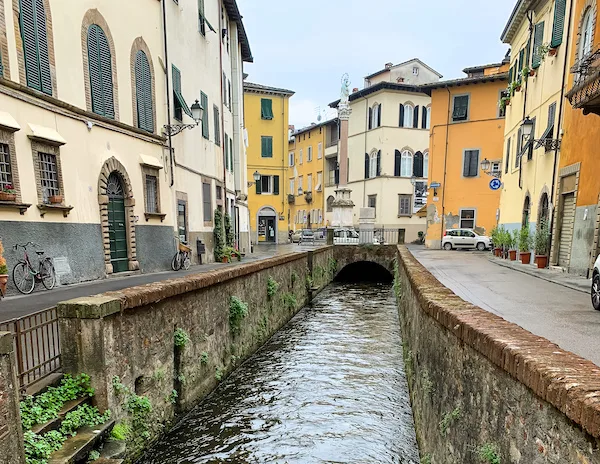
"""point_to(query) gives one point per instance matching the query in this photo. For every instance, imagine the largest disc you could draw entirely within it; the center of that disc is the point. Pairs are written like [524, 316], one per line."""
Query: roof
[380, 86]
[519, 13]
[473, 69]
[314, 126]
[234, 14]
[259, 88]
[427, 88]
[403, 63]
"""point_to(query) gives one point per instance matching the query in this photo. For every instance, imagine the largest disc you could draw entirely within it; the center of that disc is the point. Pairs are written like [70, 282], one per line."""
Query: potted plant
[55, 199]
[8, 193]
[504, 102]
[525, 244]
[540, 243]
[495, 235]
[513, 87]
[553, 51]
[3, 271]
[230, 253]
[525, 72]
[512, 244]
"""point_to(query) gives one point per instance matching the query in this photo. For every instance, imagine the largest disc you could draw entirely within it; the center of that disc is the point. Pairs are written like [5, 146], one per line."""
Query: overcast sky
[307, 45]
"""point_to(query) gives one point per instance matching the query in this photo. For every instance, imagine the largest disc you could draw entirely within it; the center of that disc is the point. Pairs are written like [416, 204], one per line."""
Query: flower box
[55, 199]
[5, 196]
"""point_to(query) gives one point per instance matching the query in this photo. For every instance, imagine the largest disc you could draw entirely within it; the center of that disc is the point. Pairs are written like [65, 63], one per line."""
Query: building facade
[576, 242]
[535, 33]
[467, 127]
[266, 113]
[388, 146]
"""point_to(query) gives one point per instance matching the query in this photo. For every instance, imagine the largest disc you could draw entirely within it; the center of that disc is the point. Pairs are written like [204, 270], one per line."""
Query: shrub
[180, 338]
[541, 238]
[525, 239]
[218, 234]
[238, 310]
[3, 268]
[272, 287]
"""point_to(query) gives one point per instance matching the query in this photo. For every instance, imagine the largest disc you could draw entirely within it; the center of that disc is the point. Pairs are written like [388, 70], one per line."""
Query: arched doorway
[544, 209]
[115, 198]
[526, 211]
[266, 221]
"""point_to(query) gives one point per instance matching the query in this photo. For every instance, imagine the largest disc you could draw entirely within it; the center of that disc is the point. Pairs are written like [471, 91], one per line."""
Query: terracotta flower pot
[532, 72]
[541, 261]
[526, 257]
[497, 252]
[55, 199]
[225, 259]
[3, 282]
[4, 196]
[513, 255]
[552, 51]
[518, 88]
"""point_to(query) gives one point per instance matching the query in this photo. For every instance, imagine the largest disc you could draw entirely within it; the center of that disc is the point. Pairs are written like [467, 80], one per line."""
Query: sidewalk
[22, 305]
[581, 284]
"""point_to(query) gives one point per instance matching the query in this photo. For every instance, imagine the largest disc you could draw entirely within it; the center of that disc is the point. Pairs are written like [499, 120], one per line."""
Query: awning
[150, 161]
[45, 135]
[8, 123]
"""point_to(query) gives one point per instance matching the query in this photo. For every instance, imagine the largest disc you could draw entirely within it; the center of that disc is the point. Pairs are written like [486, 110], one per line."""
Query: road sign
[435, 185]
[495, 184]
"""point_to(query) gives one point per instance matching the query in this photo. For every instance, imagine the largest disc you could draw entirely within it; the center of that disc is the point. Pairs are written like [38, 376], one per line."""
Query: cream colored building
[82, 109]
[388, 145]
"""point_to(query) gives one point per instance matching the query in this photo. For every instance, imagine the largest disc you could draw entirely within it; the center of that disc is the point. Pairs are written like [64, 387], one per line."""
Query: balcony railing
[291, 198]
[585, 93]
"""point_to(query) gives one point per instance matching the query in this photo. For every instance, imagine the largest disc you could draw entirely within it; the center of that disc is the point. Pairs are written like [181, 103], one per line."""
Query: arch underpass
[364, 271]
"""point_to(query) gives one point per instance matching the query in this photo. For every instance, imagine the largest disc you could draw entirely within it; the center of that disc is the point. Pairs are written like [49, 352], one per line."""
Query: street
[560, 314]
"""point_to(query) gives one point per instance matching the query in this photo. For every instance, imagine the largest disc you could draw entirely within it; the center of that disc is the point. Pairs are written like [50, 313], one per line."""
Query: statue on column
[345, 92]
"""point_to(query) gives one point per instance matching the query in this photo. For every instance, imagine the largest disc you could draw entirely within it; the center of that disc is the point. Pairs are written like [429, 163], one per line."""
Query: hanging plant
[526, 72]
[504, 102]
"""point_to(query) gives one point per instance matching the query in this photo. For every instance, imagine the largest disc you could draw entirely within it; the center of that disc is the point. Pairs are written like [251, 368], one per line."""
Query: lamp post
[256, 177]
[413, 180]
[486, 167]
[197, 114]
[527, 131]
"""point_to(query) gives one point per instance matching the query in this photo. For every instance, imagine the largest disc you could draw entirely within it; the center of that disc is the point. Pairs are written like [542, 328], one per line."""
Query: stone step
[77, 448]
[52, 380]
[55, 423]
[108, 461]
[114, 449]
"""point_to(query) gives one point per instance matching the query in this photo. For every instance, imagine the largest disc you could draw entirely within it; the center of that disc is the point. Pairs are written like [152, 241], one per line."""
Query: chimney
[292, 128]
[389, 65]
[355, 89]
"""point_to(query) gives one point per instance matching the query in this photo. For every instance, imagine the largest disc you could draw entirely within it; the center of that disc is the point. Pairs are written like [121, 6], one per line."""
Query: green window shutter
[100, 70]
[538, 39]
[259, 186]
[275, 185]
[177, 94]
[204, 103]
[266, 108]
[263, 144]
[32, 20]
[231, 154]
[510, 75]
[217, 122]
[560, 7]
[201, 18]
[226, 152]
[42, 44]
[528, 53]
[143, 92]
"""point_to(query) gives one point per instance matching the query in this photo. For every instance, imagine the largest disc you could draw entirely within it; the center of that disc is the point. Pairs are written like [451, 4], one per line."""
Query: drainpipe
[530, 18]
[366, 133]
[445, 170]
[222, 141]
[164, 13]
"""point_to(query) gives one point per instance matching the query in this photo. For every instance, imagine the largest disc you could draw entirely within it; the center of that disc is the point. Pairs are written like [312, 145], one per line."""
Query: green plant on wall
[172, 398]
[332, 265]
[319, 272]
[293, 278]
[180, 338]
[238, 310]
[3, 268]
[218, 234]
[138, 409]
[219, 374]
[120, 431]
[272, 287]
[426, 459]
[204, 358]
[488, 454]
[448, 419]
[289, 301]
[229, 237]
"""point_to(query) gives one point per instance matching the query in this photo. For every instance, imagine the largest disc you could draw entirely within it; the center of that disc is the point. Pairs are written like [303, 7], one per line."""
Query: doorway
[117, 223]
[266, 229]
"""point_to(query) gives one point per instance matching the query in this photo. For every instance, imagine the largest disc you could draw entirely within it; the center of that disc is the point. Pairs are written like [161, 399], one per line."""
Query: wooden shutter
[521, 62]
[379, 161]
[416, 117]
[42, 44]
[397, 161]
[217, 122]
[528, 53]
[370, 118]
[379, 115]
[259, 186]
[424, 118]
[510, 75]
[507, 155]
[29, 38]
[538, 39]
[204, 102]
[366, 165]
[100, 70]
[231, 154]
[275, 185]
[560, 7]
[226, 151]
[143, 91]
[474, 163]
[270, 146]
[401, 123]
[467, 163]
[418, 164]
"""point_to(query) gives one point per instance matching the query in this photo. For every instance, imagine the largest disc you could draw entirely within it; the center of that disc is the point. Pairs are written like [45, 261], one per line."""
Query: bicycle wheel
[23, 279]
[47, 274]
[186, 261]
[176, 263]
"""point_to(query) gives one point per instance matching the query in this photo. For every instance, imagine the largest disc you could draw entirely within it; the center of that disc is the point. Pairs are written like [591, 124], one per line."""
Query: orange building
[467, 127]
[575, 234]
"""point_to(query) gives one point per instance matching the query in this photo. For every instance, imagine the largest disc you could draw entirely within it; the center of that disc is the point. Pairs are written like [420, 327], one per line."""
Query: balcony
[585, 93]
[291, 198]
[308, 196]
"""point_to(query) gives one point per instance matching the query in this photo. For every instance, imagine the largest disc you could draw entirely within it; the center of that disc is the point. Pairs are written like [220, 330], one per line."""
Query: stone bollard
[11, 433]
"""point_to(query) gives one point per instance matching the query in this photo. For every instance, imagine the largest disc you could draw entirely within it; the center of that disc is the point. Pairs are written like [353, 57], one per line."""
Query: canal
[327, 388]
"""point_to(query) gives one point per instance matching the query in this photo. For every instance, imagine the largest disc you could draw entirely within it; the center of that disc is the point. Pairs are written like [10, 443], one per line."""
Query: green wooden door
[117, 231]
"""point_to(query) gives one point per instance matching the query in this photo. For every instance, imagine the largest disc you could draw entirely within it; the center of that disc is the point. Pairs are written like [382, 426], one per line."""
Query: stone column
[344, 112]
[366, 225]
[11, 433]
[343, 205]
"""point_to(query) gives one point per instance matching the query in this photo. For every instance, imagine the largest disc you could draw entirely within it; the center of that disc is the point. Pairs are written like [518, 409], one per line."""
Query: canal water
[329, 387]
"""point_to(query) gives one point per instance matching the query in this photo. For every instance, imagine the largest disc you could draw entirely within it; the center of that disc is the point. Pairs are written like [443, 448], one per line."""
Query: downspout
[222, 141]
[530, 18]
[164, 12]
[445, 170]
[366, 132]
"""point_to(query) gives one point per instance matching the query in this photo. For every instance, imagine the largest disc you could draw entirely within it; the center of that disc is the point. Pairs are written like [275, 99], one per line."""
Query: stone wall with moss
[11, 436]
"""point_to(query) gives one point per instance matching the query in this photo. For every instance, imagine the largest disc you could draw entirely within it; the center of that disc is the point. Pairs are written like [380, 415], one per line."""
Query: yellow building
[266, 114]
[463, 135]
[305, 176]
[535, 33]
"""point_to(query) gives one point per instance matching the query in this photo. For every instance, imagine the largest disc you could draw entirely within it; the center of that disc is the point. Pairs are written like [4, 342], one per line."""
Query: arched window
[586, 34]
[143, 92]
[416, 117]
[406, 167]
[397, 162]
[100, 68]
[426, 164]
[373, 165]
[426, 118]
[408, 115]
[418, 165]
[544, 209]
[375, 114]
[526, 211]
[330, 200]
[35, 45]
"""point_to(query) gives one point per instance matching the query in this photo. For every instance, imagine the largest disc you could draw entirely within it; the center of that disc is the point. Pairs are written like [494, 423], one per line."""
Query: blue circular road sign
[495, 184]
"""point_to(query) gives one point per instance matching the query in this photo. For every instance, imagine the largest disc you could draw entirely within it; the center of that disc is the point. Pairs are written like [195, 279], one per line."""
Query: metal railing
[586, 67]
[377, 236]
[37, 345]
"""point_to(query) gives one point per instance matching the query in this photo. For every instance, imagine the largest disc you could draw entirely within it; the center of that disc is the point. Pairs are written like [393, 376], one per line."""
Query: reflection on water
[328, 388]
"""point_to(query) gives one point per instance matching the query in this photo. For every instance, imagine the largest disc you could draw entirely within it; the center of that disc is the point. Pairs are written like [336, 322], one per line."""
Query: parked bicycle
[183, 257]
[25, 275]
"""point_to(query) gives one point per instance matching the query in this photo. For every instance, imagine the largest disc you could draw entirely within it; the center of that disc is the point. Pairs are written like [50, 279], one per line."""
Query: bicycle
[25, 276]
[182, 259]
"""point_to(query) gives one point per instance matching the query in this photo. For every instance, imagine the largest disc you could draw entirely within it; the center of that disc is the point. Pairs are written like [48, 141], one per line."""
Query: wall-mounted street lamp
[197, 113]
[486, 166]
[527, 131]
[413, 180]
[256, 177]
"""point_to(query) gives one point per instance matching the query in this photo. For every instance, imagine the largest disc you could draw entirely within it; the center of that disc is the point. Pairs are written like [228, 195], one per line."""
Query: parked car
[305, 235]
[596, 285]
[345, 237]
[321, 234]
[465, 238]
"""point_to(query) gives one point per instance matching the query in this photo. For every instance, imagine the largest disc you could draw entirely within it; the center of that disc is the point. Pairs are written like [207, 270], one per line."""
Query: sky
[306, 46]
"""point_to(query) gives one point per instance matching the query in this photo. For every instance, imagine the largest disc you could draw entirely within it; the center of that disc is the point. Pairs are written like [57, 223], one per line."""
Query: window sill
[50, 208]
[22, 207]
[405, 215]
[160, 216]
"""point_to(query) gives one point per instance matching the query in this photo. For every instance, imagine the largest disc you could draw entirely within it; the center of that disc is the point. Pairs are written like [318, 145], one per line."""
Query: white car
[352, 237]
[596, 285]
[465, 238]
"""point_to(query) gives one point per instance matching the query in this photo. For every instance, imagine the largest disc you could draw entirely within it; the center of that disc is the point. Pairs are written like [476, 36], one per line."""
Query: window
[204, 103]
[375, 116]
[406, 167]
[143, 92]
[6, 177]
[372, 202]
[268, 185]
[300, 158]
[529, 141]
[460, 110]
[319, 186]
[507, 165]
[219, 193]
[35, 45]
[300, 185]
[416, 118]
[404, 202]
[266, 108]
[151, 194]
[292, 186]
[226, 151]
[291, 157]
[320, 150]
[406, 115]
[560, 7]
[586, 34]
[182, 219]
[538, 41]
[100, 70]
[502, 109]
[217, 121]
[224, 89]
[309, 154]
[231, 154]
[544, 210]
[206, 202]
[426, 164]
[179, 102]
[418, 165]
[229, 94]
[201, 18]
[426, 118]
[330, 200]
[495, 168]
[331, 169]
[415, 71]
[397, 162]
[48, 175]
[309, 185]
[526, 212]
[471, 163]
[373, 165]
[548, 134]
[266, 144]
[467, 219]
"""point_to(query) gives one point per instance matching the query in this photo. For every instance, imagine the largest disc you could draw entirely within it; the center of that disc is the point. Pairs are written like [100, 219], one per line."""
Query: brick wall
[11, 437]
[477, 380]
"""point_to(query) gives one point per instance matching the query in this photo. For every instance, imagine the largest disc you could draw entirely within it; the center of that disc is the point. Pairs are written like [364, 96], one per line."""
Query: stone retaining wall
[11, 435]
[478, 381]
